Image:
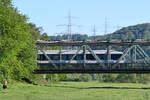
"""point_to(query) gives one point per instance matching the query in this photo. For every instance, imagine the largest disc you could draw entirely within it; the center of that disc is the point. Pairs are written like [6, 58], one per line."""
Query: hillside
[140, 31]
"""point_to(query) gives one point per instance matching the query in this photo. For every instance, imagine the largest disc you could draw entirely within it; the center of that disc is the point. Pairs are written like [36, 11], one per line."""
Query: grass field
[77, 91]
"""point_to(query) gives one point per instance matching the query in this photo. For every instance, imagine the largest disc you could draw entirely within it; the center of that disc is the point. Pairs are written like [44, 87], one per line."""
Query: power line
[69, 25]
[105, 25]
[94, 32]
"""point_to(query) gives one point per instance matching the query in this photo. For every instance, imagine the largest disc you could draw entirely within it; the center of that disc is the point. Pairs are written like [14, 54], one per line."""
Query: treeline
[113, 78]
[140, 31]
[73, 37]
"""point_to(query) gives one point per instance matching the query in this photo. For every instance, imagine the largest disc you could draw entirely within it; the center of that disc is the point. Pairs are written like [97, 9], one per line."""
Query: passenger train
[66, 55]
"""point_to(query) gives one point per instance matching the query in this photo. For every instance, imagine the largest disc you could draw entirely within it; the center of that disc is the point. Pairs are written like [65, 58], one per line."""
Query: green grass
[77, 91]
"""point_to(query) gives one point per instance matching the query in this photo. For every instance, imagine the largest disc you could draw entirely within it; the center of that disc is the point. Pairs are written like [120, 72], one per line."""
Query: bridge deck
[93, 68]
[142, 71]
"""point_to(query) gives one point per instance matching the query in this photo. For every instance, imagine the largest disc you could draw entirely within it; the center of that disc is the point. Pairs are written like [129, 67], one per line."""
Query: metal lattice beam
[96, 57]
[49, 59]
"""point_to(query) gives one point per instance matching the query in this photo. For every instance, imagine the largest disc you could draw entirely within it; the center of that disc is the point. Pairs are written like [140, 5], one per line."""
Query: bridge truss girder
[134, 56]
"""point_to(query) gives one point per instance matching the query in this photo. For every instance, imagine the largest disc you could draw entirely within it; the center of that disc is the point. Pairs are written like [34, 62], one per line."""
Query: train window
[41, 57]
[69, 56]
[79, 57]
[50, 56]
[102, 56]
[90, 57]
[55, 57]
[115, 56]
[64, 57]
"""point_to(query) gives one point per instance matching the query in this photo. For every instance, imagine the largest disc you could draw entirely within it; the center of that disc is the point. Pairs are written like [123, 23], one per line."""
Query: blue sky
[119, 13]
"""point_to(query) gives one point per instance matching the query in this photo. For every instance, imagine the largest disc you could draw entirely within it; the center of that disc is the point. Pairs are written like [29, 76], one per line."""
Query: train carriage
[56, 55]
[61, 61]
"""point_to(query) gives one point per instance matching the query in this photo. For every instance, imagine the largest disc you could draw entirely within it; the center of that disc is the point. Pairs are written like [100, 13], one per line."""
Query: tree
[6, 3]
[85, 77]
[109, 77]
[44, 36]
[17, 48]
[35, 31]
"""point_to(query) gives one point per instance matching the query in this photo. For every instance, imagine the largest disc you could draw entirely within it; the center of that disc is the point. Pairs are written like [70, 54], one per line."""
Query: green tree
[6, 3]
[17, 48]
[109, 77]
[35, 31]
[44, 36]
[85, 77]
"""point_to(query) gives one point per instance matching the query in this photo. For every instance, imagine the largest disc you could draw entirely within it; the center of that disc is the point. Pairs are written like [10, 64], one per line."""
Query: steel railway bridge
[132, 58]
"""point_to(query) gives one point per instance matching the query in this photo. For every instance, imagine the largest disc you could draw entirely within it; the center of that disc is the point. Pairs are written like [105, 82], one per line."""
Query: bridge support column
[108, 56]
[60, 58]
[84, 53]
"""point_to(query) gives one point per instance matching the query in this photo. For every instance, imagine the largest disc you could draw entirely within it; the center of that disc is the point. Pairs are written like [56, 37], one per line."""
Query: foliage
[35, 31]
[73, 37]
[44, 36]
[140, 31]
[17, 49]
